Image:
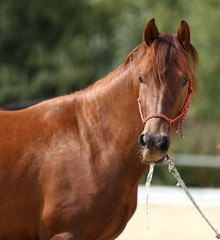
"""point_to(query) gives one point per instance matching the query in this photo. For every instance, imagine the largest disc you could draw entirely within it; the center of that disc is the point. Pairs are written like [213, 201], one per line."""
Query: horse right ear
[183, 34]
[150, 32]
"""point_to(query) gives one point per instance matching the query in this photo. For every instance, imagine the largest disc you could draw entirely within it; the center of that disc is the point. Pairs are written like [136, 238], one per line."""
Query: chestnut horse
[70, 166]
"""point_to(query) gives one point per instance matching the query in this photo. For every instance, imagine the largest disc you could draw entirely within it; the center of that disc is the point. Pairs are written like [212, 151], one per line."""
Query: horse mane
[164, 49]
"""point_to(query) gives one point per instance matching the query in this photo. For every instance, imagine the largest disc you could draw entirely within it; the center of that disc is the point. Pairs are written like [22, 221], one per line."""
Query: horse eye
[141, 78]
[185, 81]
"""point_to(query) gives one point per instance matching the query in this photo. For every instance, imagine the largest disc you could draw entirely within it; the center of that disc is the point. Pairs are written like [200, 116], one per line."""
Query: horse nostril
[163, 143]
[142, 140]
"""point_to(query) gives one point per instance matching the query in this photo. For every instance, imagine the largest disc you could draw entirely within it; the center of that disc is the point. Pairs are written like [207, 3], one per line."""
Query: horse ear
[150, 32]
[183, 34]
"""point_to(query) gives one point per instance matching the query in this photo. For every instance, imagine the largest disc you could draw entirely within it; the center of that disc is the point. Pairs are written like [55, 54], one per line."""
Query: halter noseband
[181, 117]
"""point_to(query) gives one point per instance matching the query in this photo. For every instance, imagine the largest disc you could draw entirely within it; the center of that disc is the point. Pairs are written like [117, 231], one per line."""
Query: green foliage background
[51, 47]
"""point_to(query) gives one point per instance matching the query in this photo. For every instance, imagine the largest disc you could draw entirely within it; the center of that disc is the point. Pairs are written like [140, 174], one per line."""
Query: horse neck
[114, 101]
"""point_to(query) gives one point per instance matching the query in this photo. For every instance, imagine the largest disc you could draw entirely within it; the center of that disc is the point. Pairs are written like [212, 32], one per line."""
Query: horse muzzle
[154, 148]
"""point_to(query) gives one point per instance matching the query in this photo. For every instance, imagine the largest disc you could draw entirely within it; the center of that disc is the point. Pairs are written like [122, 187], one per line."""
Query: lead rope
[173, 170]
[147, 186]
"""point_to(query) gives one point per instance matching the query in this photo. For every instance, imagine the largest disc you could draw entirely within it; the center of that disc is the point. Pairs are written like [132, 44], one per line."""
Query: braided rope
[173, 170]
[180, 118]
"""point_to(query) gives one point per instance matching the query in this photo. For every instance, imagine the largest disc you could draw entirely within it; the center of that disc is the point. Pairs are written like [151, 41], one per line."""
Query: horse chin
[160, 161]
[153, 157]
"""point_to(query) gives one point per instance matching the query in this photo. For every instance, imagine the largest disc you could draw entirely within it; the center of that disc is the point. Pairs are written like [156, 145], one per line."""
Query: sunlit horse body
[70, 166]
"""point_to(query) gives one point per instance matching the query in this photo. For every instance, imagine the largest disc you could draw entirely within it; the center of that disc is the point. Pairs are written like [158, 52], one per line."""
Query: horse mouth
[158, 162]
[153, 157]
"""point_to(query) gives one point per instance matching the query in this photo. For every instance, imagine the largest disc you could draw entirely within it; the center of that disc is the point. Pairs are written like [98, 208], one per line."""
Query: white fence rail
[196, 160]
[172, 195]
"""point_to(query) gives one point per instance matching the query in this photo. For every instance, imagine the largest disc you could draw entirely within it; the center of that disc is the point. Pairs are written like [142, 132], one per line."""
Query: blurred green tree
[49, 48]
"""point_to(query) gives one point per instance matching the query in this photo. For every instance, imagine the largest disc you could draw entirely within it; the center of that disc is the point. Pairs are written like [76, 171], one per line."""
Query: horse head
[167, 77]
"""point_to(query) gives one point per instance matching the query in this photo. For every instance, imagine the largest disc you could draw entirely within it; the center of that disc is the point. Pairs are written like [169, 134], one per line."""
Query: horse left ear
[150, 32]
[183, 34]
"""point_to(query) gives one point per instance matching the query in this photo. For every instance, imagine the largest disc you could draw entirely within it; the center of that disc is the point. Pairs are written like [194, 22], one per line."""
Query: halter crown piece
[180, 118]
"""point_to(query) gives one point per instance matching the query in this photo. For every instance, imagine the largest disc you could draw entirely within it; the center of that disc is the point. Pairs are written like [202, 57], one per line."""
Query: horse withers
[70, 166]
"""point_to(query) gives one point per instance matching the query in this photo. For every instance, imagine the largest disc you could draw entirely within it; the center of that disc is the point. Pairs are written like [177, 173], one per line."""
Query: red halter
[181, 117]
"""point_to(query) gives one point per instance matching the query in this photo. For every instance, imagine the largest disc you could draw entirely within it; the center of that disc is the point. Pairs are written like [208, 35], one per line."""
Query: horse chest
[113, 221]
[111, 209]
[94, 202]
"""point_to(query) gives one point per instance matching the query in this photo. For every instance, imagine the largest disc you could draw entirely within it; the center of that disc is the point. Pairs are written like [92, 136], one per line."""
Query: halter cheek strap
[180, 118]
